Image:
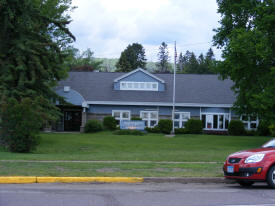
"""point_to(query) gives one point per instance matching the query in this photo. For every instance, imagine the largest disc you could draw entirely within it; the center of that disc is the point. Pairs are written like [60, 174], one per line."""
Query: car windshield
[271, 143]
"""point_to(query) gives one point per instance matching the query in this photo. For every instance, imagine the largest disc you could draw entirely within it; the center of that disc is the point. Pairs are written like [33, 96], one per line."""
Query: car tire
[271, 177]
[244, 183]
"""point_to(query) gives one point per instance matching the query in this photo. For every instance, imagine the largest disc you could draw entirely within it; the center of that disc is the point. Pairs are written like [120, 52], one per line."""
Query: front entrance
[72, 120]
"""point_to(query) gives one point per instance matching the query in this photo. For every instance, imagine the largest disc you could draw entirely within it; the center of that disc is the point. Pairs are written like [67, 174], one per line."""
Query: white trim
[136, 70]
[139, 86]
[218, 121]
[160, 104]
[84, 102]
[249, 122]
[121, 114]
[180, 120]
[149, 119]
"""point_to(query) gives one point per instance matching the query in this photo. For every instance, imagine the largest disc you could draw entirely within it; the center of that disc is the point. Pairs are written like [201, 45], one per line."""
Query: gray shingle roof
[190, 88]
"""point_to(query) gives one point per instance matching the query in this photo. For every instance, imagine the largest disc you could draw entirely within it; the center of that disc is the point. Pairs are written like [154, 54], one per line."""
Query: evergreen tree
[131, 58]
[180, 63]
[163, 65]
[192, 64]
[210, 62]
[202, 67]
[33, 36]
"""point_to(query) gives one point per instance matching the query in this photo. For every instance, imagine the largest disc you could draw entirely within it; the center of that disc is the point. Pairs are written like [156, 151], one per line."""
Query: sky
[107, 27]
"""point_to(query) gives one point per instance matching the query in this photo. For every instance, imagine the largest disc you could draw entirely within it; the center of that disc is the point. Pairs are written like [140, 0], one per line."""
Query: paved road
[143, 194]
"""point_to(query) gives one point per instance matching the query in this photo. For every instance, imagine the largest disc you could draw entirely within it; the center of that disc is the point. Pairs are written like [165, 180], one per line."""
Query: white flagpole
[174, 91]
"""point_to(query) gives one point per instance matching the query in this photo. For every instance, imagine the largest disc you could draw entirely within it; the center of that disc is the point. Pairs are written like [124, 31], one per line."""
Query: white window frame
[218, 121]
[249, 122]
[149, 119]
[124, 85]
[181, 120]
[120, 118]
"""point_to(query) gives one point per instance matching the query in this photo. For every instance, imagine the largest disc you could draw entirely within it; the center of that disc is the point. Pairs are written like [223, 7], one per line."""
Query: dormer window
[144, 86]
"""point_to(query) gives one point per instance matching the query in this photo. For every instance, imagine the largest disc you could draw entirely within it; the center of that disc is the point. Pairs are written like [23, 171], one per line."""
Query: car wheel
[271, 177]
[245, 183]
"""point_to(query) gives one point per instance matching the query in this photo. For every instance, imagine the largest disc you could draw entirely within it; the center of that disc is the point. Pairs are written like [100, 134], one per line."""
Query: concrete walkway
[107, 161]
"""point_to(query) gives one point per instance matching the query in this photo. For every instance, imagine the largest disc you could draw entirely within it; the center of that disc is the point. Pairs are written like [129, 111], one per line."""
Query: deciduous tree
[247, 37]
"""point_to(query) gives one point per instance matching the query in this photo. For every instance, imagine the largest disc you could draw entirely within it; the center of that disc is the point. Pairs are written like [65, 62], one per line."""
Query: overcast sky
[109, 26]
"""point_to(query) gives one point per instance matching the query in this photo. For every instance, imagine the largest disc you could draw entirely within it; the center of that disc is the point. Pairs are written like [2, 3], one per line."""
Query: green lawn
[106, 146]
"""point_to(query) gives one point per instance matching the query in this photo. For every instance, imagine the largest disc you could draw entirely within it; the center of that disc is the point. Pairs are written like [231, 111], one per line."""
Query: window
[150, 118]
[250, 123]
[181, 118]
[215, 121]
[120, 115]
[146, 86]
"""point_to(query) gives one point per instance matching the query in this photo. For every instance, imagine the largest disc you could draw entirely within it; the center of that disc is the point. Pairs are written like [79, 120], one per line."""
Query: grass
[110, 169]
[106, 146]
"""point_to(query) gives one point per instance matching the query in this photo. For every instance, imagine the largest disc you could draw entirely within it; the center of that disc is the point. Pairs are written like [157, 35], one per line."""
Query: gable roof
[137, 70]
[190, 89]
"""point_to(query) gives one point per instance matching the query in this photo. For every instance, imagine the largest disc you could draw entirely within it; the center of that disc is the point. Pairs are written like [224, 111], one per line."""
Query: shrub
[92, 125]
[129, 132]
[194, 126]
[272, 129]
[165, 126]
[215, 132]
[136, 118]
[20, 124]
[236, 128]
[181, 131]
[109, 123]
[263, 128]
[152, 129]
[251, 133]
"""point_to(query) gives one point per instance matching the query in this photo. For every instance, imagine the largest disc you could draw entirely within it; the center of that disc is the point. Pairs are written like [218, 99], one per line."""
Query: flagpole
[174, 91]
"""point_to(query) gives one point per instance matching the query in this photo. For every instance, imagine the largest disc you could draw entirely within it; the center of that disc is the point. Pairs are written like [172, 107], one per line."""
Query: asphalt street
[142, 194]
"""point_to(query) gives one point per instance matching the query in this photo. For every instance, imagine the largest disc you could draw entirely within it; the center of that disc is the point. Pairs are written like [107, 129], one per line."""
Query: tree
[84, 61]
[192, 64]
[33, 37]
[163, 65]
[247, 37]
[210, 62]
[131, 58]
[180, 63]
[202, 66]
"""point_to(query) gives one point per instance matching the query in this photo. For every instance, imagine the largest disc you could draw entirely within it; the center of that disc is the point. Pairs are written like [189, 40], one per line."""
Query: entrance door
[209, 121]
[72, 120]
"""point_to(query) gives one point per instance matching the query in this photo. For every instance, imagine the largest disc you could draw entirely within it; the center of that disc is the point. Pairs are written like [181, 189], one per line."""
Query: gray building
[94, 95]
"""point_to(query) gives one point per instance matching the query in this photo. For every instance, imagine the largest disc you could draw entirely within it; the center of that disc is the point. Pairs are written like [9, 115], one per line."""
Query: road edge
[37, 179]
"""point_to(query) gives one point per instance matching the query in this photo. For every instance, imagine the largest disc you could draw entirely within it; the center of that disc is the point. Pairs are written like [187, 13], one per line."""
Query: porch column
[83, 120]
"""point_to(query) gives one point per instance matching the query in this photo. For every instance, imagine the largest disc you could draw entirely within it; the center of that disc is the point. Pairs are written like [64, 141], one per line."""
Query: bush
[251, 133]
[136, 118]
[181, 131]
[92, 125]
[20, 124]
[194, 126]
[109, 123]
[152, 129]
[236, 128]
[263, 128]
[165, 126]
[214, 132]
[272, 129]
[129, 132]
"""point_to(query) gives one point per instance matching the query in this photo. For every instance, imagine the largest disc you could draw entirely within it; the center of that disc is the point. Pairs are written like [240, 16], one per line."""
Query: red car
[256, 165]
